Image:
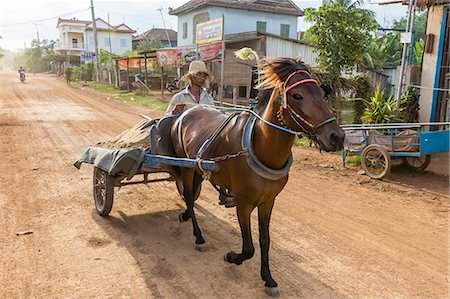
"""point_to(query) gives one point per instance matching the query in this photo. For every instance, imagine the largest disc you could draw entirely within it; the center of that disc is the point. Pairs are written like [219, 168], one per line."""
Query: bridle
[297, 118]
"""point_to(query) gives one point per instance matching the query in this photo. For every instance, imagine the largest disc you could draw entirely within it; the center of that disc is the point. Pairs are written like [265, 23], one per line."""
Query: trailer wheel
[103, 191]
[419, 163]
[375, 161]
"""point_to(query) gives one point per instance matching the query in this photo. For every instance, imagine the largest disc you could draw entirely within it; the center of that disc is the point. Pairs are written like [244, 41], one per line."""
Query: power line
[45, 20]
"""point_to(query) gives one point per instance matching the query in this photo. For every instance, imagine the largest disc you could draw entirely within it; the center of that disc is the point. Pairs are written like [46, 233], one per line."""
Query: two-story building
[76, 36]
[71, 36]
[267, 26]
[278, 17]
[115, 39]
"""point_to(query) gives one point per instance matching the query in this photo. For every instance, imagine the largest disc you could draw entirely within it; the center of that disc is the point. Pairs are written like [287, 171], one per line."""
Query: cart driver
[195, 93]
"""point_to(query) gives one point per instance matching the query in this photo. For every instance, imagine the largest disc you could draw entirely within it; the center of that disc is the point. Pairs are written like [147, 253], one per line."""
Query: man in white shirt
[194, 93]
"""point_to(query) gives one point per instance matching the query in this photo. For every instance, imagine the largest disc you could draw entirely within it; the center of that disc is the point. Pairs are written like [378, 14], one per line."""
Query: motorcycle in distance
[22, 77]
[173, 86]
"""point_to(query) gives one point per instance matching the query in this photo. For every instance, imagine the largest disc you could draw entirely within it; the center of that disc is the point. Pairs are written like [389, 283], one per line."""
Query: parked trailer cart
[116, 167]
[414, 143]
[103, 183]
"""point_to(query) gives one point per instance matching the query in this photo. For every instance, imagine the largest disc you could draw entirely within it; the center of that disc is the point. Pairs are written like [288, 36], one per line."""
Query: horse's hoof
[272, 292]
[180, 217]
[201, 247]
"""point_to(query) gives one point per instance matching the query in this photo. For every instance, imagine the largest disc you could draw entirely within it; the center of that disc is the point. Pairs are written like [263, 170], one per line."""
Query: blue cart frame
[377, 143]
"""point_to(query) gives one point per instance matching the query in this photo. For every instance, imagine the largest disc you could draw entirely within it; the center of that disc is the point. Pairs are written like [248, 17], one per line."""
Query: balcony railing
[78, 46]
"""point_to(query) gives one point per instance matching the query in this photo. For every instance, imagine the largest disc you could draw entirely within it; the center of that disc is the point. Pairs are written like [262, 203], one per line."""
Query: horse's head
[301, 103]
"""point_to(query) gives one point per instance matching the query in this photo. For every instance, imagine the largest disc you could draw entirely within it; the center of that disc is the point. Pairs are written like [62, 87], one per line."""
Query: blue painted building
[278, 17]
[267, 26]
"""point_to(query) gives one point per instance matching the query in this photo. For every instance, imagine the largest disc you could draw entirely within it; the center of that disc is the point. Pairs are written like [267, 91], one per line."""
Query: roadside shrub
[380, 109]
[75, 73]
[410, 103]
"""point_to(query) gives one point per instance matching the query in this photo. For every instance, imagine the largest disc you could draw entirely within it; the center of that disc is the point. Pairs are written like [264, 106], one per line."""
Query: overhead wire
[46, 19]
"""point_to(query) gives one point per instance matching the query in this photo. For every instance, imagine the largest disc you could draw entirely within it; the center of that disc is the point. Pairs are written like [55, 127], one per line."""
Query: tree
[340, 35]
[385, 50]
[149, 43]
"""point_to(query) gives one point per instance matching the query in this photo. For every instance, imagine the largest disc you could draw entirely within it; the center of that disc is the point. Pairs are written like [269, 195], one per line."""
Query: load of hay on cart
[413, 143]
[146, 149]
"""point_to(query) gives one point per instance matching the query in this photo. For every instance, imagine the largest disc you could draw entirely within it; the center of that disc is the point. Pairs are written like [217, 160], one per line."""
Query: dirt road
[335, 234]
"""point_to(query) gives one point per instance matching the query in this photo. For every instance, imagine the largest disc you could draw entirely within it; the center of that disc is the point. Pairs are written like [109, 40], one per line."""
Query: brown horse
[253, 150]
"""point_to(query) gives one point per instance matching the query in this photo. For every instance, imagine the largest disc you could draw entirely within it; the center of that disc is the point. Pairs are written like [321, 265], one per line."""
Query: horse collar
[252, 161]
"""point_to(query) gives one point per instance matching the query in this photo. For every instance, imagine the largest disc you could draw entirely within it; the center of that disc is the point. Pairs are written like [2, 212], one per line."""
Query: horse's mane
[274, 72]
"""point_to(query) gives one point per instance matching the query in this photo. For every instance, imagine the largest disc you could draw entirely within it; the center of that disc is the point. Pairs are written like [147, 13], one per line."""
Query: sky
[21, 20]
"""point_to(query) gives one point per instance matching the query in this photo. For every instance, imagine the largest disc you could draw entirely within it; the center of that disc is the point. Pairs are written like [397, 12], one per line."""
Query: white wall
[68, 31]
[103, 41]
[237, 21]
[435, 15]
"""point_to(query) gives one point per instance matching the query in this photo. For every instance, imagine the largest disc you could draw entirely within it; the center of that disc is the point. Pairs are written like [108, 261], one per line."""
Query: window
[284, 30]
[74, 43]
[261, 26]
[106, 42]
[123, 42]
[242, 93]
[184, 30]
[200, 18]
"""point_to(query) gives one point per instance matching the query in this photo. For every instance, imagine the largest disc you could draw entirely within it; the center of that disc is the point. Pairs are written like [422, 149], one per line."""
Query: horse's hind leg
[264, 212]
[192, 185]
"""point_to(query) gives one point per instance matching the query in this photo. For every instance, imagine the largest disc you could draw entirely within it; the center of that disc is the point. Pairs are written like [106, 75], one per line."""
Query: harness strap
[214, 136]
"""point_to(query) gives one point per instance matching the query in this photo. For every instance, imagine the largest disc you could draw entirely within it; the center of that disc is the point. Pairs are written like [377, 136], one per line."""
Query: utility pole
[37, 33]
[97, 58]
[406, 46]
[164, 23]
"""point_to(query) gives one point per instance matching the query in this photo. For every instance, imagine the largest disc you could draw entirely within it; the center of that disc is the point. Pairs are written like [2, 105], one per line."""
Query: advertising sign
[167, 57]
[87, 56]
[209, 31]
[185, 55]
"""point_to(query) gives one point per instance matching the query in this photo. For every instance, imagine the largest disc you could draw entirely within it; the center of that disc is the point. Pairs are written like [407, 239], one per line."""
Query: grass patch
[302, 142]
[143, 100]
[103, 87]
[354, 160]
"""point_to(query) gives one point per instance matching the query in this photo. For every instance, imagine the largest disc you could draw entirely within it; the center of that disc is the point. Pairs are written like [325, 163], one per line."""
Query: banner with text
[209, 31]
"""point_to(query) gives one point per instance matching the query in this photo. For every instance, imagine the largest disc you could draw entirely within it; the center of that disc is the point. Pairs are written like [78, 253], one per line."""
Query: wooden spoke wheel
[103, 191]
[419, 163]
[375, 161]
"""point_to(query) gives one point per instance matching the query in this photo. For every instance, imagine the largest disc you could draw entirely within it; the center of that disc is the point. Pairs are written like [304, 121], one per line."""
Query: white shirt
[186, 97]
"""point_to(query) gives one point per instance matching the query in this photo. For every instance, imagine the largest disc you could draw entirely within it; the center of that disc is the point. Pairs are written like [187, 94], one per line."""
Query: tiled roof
[277, 6]
[73, 20]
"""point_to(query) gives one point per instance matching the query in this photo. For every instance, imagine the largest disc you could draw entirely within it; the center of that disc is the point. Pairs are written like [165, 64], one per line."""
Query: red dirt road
[335, 234]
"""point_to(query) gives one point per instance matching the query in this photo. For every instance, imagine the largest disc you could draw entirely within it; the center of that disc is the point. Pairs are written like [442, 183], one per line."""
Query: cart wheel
[419, 163]
[103, 191]
[375, 161]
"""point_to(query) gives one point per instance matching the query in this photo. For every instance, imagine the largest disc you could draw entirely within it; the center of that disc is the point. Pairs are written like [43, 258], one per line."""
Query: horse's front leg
[264, 213]
[192, 186]
[248, 250]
